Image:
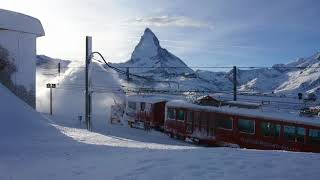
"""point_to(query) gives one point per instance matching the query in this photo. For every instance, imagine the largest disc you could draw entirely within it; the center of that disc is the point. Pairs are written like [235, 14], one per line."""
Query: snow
[20, 22]
[37, 147]
[71, 87]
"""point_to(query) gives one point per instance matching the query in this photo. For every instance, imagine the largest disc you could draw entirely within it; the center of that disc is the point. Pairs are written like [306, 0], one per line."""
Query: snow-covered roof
[243, 103]
[147, 99]
[273, 115]
[14, 21]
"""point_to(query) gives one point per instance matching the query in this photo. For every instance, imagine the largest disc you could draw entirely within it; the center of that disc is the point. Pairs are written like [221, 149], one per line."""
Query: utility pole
[87, 93]
[51, 86]
[59, 68]
[127, 74]
[234, 83]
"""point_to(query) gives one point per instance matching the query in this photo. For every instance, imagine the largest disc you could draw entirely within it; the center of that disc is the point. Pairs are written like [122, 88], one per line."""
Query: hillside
[284, 78]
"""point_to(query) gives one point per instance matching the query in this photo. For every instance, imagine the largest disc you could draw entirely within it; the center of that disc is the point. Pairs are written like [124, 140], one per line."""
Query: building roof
[147, 99]
[14, 21]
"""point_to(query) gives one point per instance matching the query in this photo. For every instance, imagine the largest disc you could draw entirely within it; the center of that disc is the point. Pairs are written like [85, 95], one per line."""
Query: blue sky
[206, 32]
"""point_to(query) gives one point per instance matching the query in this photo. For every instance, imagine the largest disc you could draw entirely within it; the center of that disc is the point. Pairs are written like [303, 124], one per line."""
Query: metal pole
[59, 68]
[90, 112]
[127, 73]
[234, 83]
[87, 93]
[50, 100]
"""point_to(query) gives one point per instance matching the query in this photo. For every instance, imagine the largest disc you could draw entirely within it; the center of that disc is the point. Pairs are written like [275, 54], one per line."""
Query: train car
[145, 111]
[245, 128]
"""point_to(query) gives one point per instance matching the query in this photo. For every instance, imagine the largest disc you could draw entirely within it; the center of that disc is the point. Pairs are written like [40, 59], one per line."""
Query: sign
[51, 85]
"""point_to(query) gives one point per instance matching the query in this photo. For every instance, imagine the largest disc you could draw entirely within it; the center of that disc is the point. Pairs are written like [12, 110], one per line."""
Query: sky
[201, 33]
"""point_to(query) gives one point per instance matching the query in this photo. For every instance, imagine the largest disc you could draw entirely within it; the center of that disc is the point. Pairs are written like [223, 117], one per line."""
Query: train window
[142, 106]
[181, 115]
[289, 132]
[314, 136]
[246, 126]
[270, 129]
[301, 132]
[171, 113]
[225, 123]
[190, 116]
[293, 133]
[132, 105]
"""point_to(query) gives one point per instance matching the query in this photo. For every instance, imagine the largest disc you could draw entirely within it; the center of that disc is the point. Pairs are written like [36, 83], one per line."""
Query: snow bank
[68, 97]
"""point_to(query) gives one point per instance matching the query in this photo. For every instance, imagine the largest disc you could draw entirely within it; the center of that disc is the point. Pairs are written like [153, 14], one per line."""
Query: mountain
[149, 58]
[302, 75]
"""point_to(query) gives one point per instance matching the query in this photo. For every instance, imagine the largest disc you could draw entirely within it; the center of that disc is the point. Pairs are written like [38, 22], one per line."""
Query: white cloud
[174, 21]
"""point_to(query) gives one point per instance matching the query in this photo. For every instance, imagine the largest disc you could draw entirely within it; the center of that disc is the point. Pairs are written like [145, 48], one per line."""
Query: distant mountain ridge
[281, 78]
[149, 59]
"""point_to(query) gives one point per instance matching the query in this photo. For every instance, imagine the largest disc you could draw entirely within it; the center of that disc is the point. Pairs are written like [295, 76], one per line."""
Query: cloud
[174, 21]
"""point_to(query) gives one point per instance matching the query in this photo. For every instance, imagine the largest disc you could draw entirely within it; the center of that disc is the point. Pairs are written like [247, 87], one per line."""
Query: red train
[231, 126]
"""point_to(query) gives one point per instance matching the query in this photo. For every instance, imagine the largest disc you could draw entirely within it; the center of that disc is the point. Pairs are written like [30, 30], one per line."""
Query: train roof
[254, 113]
[147, 99]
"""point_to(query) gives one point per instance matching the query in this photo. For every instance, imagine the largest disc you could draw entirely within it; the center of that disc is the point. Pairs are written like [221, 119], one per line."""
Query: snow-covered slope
[33, 148]
[284, 78]
[71, 86]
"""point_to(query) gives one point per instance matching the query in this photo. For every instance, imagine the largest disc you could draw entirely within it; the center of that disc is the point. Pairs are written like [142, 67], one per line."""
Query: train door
[211, 124]
[313, 139]
[203, 124]
[246, 132]
[189, 122]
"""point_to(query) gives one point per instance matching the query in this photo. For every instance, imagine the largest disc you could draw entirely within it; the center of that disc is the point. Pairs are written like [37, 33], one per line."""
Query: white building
[18, 34]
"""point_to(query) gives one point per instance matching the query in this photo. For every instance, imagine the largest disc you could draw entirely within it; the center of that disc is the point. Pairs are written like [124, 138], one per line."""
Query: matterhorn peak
[149, 35]
[148, 46]
[148, 53]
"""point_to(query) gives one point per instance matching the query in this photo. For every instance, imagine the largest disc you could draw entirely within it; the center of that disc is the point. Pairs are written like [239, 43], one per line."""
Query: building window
[295, 134]
[142, 106]
[132, 105]
[246, 126]
[225, 123]
[181, 115]
[314, 136]
[270, 129]
[171, 113]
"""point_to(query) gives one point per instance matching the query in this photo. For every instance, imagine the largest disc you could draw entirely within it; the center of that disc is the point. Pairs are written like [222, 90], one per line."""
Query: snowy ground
[35, 147]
